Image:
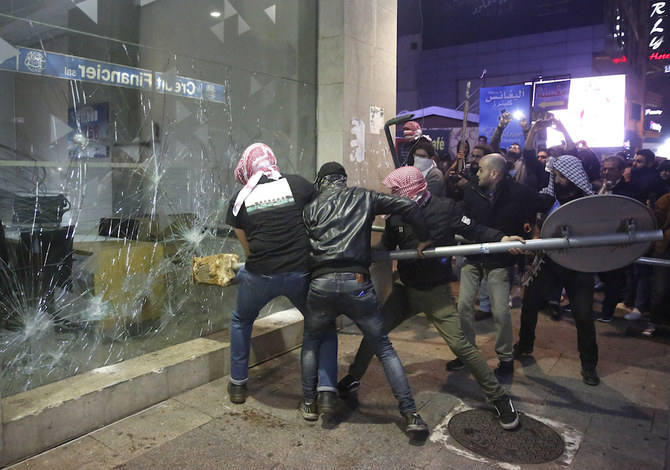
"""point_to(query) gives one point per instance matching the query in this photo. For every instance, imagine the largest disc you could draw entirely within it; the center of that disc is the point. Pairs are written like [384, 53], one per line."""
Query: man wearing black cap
[339, 222]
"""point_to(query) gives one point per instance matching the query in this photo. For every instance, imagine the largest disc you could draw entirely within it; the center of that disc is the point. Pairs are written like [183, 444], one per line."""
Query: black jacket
[512, 206]
[445, 219]
[339, 223]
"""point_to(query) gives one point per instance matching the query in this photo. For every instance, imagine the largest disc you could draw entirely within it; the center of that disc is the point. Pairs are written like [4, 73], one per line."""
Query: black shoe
[310, 410]
[347, 386]
[556, 312]
[505, 368]
[237, 393]
[482, 315]
[605, 318]
[509, 418]
[590, 376]
[414, 423]
[519, 350]
[327, 402]
[455, 365]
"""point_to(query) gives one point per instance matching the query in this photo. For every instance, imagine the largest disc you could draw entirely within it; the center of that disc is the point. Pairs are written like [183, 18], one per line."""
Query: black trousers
[579, 287]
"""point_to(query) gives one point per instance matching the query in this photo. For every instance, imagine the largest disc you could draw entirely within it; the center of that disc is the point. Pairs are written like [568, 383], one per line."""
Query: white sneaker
[634, 314]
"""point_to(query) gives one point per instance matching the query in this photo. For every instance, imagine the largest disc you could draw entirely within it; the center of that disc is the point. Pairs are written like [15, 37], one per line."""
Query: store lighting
[215, 14]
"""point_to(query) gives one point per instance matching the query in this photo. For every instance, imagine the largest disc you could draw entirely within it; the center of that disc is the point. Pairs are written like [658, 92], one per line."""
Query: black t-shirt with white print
[271, 218]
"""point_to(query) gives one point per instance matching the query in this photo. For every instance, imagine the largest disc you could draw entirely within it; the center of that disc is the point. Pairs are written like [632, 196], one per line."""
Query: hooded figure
[571, 179]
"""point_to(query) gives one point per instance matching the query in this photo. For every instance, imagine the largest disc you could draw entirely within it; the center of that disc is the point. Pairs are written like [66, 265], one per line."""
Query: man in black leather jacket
[339, 223]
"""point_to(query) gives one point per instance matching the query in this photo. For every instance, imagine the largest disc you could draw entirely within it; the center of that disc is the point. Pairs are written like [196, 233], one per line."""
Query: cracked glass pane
[122, 124]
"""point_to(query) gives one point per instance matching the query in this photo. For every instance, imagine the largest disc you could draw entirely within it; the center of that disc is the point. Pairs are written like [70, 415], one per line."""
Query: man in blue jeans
[339, 222]
[266, 215]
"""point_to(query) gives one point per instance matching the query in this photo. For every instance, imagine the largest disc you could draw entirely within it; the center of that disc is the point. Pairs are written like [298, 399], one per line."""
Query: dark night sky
[453, 22]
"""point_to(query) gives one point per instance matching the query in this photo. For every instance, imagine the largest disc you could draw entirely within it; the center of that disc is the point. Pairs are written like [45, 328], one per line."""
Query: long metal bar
[654, 261]
[546, 244]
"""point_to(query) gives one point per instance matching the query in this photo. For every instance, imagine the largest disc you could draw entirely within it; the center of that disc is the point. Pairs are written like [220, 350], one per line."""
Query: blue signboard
[189, 87]
[52, 64]
[495, 101]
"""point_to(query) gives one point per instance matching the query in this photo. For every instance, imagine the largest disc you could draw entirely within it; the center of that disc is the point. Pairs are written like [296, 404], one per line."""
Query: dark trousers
[579, 287]
[615, 282]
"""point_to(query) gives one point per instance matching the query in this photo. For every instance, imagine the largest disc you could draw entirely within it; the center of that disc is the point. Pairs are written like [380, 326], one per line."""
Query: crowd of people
[312, 244]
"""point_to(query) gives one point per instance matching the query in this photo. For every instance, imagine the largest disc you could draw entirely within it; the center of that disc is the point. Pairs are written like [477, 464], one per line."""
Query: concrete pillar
[356, 81]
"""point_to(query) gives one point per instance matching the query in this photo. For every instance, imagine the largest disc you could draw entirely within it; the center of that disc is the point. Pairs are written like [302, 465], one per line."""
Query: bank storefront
[121, 124]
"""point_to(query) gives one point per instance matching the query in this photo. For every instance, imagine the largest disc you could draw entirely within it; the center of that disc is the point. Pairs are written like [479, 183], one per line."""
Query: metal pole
[654, 261]
[530, 245]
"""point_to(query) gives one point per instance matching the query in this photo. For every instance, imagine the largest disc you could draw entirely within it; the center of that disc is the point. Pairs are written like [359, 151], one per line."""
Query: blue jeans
[253, 293]
[353, 295]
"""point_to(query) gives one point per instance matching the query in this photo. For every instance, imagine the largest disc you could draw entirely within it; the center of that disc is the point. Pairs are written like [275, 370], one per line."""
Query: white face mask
[423, 164]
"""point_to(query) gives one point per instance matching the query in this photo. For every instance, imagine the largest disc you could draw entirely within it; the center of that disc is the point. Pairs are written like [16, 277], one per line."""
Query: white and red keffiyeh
[407, 181]
[412, 130]
[257, 160]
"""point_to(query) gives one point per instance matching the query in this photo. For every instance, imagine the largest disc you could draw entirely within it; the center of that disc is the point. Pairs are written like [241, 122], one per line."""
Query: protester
[499, 202]
[568, 182]
[339, 223]
[424, 286]
[266, 215]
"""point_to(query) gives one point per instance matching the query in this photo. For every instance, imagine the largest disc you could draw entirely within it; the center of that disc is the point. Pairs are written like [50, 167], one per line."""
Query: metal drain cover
[531, 442]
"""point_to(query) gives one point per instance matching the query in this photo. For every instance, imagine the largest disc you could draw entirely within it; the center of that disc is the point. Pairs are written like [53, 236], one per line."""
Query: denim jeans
[353, 295]
[440, 308]
[579, 287]
[498, 289]
[253, 293]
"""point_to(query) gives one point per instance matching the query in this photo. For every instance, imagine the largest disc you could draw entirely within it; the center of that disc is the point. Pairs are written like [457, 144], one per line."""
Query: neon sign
[657, 16]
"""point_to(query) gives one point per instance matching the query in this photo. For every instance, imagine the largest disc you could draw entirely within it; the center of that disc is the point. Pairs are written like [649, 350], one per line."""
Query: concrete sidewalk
[621, 424]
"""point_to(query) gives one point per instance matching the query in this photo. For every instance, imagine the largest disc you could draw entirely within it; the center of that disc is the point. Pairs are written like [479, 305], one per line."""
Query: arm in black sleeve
[496, 138]
[406, 208]
[471, 230]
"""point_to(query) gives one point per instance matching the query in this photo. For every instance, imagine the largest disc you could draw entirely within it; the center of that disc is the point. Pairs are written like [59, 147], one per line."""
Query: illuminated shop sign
[51, 64]
[658, 48]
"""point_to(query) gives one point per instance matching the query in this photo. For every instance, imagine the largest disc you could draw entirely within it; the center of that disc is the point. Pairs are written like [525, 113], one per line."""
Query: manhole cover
[530, 442]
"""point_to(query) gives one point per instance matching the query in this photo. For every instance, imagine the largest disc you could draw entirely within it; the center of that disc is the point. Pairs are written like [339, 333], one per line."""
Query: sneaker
[310, 410]
[237, 393]
[519, 350]
[327, 402]
[509, 418]
[414, 423]
[605, 318]
[634, 314]
[650, 330]
[348, 386]
[505, 368]
[590, 376]
[455, 365]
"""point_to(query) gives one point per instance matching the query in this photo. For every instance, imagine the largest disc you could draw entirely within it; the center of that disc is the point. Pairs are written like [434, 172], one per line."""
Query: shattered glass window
[122, 122]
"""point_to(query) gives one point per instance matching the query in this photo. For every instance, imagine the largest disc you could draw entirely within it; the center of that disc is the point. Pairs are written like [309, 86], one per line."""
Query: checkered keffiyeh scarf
[407, 181]
[572, 169]
[412, 130]
[257, 160]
